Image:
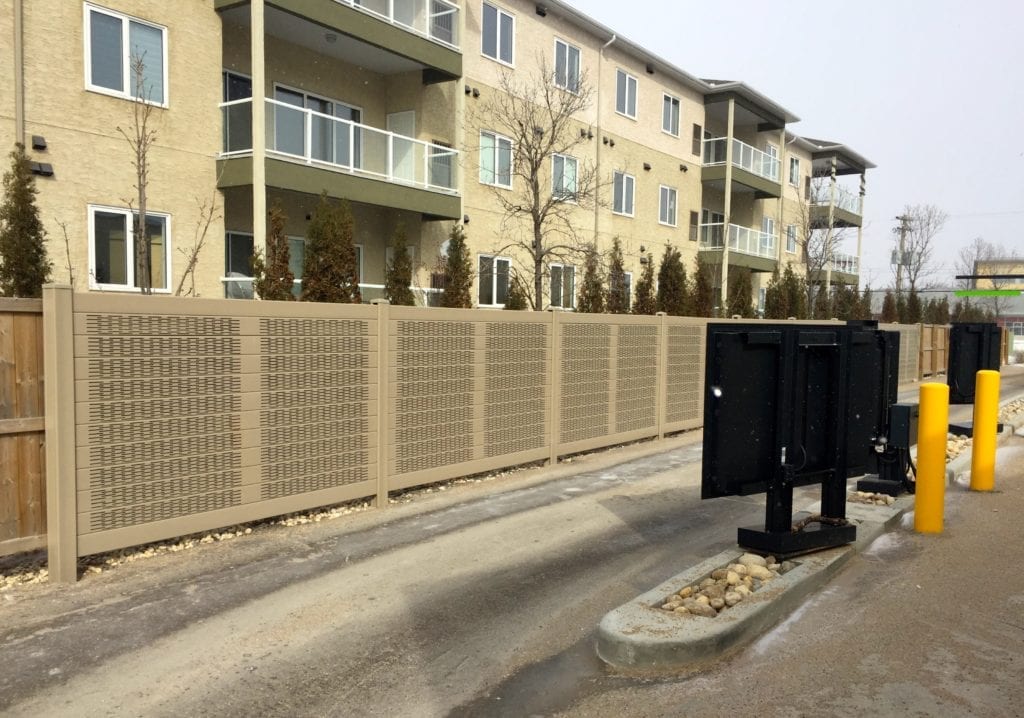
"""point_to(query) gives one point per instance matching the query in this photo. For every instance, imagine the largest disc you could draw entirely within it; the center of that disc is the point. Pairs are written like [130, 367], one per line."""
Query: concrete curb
[639, 636]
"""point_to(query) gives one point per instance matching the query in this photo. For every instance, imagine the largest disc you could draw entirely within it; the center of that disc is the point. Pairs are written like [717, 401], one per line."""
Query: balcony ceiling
[347, 49]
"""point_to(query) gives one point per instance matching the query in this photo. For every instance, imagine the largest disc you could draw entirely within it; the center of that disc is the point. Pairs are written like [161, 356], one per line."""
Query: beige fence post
[61, 479]
[921, 351]
[383, 358]
[556, 386]
[661, 395]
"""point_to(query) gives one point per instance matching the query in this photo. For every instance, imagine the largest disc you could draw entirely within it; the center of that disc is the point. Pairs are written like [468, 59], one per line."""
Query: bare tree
[818, 242]
[550, 184]
[141, 136]
[924, 222]
[207, 215]
[979, 257]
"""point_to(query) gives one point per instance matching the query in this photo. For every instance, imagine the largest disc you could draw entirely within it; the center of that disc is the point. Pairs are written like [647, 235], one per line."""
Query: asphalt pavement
[483, 600]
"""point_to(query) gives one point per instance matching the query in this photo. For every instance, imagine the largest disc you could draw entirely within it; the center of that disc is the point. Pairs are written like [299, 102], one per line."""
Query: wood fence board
[29, 400]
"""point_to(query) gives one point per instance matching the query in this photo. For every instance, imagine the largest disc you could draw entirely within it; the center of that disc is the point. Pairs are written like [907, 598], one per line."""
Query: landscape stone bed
[1011, 409]
[868, 497]
[725, 587]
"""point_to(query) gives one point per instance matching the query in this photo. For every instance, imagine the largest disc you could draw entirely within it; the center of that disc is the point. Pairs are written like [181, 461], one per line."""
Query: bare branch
[540, 220]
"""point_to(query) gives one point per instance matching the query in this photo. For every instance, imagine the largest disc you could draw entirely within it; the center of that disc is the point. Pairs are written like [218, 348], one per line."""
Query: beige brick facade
[343, 57]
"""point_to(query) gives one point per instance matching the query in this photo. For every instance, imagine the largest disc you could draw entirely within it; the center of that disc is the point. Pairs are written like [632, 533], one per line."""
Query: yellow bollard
[932, 427]
[986, 419]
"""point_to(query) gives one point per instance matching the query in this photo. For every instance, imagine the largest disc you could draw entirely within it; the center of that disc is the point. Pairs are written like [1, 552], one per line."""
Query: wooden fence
[934, 349]
[22, 446]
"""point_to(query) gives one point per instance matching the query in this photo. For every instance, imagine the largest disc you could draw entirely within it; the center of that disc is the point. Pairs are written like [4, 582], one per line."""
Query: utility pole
[904, 221]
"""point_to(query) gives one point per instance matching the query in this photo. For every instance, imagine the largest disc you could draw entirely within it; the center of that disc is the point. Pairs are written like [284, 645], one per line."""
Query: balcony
[747, 247]
[309, 152]
[436, 20]
[752, 168]
[846, 209]
[384, 36]
[847, 266]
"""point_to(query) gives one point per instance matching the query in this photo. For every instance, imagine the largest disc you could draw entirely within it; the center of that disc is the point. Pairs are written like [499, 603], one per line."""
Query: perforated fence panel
[186, 419]
[609, 371]
[684, 385]
[910, 350]
[468, 391]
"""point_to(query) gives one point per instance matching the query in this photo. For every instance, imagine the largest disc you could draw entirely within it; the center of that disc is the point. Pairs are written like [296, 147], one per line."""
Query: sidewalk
[916, 625]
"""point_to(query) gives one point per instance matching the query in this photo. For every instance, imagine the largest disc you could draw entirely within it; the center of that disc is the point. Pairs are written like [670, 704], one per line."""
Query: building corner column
[257, 50]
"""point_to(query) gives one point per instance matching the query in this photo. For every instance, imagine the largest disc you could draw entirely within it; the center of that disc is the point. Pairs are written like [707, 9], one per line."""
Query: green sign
[988, 292]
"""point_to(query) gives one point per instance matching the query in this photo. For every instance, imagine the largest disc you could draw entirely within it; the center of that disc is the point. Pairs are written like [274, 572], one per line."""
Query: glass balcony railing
[744, 156]
[329, 142]
[741, 239]
[844, 199]
[846, 263]
[436, 20]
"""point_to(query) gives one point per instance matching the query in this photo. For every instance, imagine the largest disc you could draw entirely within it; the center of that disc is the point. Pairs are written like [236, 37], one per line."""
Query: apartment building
[253, 104]
[384, 103]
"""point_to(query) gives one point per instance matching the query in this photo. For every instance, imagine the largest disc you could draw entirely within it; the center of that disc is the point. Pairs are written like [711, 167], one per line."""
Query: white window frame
[561, 290]
[630, 181]
[791, 238]
[677, 104]
[497, 40]
[579, 67]
[511, 159]
[128, 214]
[662, 208]
[794, 177]
[126, 70]
[494, 279]
[558, 193]
[622, 75]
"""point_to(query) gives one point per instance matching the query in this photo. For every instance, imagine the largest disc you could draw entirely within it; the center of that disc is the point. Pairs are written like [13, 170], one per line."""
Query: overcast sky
[930, 91]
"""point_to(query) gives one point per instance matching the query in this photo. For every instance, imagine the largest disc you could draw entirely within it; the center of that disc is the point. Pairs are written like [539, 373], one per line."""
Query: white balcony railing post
[307, 140]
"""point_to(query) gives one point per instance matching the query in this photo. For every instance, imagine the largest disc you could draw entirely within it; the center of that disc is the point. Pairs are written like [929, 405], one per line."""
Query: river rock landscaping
[725, 587]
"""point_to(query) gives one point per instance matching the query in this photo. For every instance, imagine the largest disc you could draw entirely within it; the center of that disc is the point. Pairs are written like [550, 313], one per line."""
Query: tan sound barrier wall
[167, 416]
[910, 350]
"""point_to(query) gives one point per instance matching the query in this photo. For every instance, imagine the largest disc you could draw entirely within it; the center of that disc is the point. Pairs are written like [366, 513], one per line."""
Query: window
[625, 94]
[333, 138]
[495, 160]
[623, 186]
[567, 66]
[238, 252]
[497, 34]
[767, 234]
[114, 45]
[698, 137]
[112, 248]
[563, 286]
[670, 115]
[694, 226]
[563, 177]
[794, 171]
[667, 206]
[493, 290]
[762, 294]
[237, 119]
[791, 238]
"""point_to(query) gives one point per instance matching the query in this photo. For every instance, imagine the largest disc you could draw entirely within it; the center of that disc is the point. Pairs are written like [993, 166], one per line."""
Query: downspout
[597, 152]
[19, 71]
